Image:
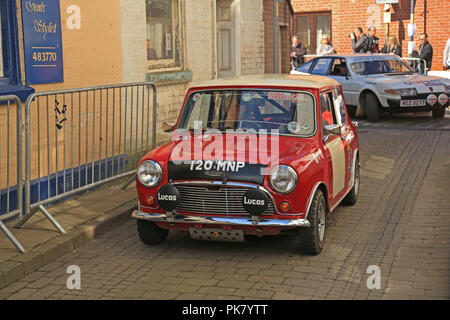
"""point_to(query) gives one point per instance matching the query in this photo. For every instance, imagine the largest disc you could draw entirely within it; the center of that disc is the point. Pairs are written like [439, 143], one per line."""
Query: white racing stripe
[337, 152]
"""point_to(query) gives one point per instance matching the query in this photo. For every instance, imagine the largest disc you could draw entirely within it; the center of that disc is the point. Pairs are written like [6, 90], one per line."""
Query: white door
[334, 149]
[226, 38]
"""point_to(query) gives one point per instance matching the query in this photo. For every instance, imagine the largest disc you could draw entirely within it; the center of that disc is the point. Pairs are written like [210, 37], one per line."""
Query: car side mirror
[168, 126]
[333, 129]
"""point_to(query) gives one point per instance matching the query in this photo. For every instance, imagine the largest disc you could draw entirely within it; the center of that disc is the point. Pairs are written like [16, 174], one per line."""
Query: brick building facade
[282, 12]
[342, 16]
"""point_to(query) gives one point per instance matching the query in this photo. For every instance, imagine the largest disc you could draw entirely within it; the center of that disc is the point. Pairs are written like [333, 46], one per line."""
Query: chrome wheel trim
[356, 178]
[321, 216]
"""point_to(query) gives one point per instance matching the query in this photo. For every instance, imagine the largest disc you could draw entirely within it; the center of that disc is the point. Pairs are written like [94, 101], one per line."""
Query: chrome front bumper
[178, 218]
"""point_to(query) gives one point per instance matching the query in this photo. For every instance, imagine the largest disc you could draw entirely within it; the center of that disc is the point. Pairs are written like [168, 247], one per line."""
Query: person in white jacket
[447, 55]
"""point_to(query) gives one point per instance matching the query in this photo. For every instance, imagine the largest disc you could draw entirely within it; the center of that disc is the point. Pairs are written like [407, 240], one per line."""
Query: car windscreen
[377, 66]
[260, 110]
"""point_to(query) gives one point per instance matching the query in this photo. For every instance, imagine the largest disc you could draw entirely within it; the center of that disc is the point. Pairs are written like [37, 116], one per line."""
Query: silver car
[381, 83]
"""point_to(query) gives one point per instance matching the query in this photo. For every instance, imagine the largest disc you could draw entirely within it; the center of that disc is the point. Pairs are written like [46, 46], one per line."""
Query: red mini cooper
[253, 155]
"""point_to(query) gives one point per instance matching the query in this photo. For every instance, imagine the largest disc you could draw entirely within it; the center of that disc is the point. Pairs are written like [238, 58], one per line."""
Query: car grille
[217, 200]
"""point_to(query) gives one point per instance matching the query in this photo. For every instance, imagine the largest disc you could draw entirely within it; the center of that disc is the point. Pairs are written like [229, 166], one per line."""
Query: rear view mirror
[168, 126]
[333, 129]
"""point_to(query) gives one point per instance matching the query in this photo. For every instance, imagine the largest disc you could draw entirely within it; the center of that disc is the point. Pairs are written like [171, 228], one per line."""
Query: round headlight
[283, 179]
[149, 173]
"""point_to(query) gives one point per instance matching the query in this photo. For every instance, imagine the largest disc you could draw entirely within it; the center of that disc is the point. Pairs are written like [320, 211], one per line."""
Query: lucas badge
[255, 202]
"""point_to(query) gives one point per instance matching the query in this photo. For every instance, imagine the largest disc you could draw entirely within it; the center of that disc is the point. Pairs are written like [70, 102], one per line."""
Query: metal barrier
[78, 139]
[421, 61]
[11, 186]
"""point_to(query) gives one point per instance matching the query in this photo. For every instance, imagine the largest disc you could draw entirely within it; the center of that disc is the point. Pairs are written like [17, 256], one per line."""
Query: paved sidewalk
[83, 217]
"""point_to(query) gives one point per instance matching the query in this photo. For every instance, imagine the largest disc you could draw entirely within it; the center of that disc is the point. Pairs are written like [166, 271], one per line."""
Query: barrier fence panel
[80, 138]
[11, 182]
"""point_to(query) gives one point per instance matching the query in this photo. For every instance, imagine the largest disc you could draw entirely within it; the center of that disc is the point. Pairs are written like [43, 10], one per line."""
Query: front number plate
[413, 103]
[212, 234]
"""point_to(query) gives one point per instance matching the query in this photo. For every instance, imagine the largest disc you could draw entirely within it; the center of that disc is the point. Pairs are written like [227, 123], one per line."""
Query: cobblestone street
[401, 223]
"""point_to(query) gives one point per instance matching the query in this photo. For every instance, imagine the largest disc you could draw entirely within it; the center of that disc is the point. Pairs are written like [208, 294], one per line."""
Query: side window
[322, 66]
[339, 105]
[305, 67]
[339, 68]
[162, 28]
[327, 110]
[200, 110]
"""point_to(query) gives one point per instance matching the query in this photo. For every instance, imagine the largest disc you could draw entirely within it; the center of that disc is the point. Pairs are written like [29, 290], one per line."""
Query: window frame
[10, 50]
[313, 27]
[177, 62]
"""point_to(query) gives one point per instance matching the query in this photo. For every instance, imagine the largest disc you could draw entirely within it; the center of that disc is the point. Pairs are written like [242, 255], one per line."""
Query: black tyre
[150, 233]
[438, 112]
[311, 238]
[351, 198]
[372, 108]
[351, 111]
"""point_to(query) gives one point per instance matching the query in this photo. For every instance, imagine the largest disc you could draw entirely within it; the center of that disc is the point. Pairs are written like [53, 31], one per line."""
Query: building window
[1, 44]
[163, 33]
[10, 79]
[311, 27]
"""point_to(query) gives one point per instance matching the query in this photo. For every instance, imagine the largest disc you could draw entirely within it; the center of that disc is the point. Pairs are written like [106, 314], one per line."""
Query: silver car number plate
[413, 103]
[213, 234]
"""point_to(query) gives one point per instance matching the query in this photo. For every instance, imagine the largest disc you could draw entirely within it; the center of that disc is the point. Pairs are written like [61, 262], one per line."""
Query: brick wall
[133, 22]
[284, 17]
[252, 37]
[431, 16]
[199, 39]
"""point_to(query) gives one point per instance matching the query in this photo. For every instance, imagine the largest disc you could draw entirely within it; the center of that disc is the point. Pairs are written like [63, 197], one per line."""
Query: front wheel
[311, 238]
[150, 233]
[351, 198]
[438, 112]
[372, 108]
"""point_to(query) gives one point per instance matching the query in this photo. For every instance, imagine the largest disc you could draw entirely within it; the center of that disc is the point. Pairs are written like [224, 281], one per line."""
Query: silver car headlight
[283, 179]
[149, 173]
[408, 92]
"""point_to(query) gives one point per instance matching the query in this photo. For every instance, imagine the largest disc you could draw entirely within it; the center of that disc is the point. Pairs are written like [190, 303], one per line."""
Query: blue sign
[41, 20]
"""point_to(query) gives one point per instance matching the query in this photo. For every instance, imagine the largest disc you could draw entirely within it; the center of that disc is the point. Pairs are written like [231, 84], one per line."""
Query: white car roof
[362, 57]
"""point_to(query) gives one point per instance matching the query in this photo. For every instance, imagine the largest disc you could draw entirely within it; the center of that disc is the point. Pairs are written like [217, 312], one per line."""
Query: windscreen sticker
[297, 97]
[370, 58]
[196, 97]
[246, 97]
[279, 96]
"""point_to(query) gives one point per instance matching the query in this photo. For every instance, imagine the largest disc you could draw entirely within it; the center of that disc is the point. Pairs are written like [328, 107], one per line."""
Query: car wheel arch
[361, 109]
[322, 187]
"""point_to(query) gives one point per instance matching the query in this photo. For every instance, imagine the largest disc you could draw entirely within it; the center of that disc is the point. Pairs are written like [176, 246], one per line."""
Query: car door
[333, 147]
[347, 135]
[339, 71]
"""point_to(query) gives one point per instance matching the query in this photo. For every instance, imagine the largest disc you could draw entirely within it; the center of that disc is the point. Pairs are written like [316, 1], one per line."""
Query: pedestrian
[297, 52]
[360, 42]
[425, 51]
[373, 40]
[447, 55]
[392, 47]
[325, 47]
